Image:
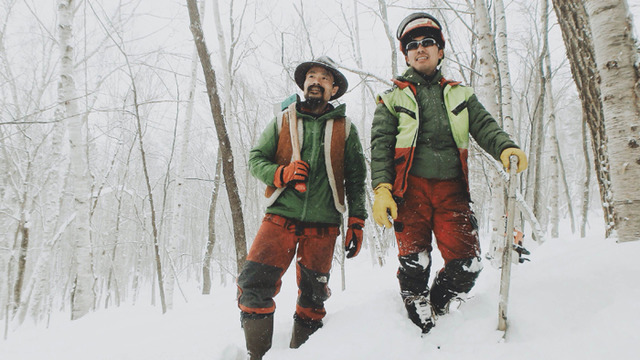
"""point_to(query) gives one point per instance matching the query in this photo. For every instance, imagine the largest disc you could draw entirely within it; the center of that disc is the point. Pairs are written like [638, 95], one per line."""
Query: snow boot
[258, 331]
[454, 280]
[419, 311]
[302, 329]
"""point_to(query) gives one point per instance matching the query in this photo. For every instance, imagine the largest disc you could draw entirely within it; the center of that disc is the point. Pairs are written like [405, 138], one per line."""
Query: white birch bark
[618, 64]
[538, 142]
[554, 217]
[487, 90]
[587, 182]
[502, 50]
[83, 297]
[576, 33]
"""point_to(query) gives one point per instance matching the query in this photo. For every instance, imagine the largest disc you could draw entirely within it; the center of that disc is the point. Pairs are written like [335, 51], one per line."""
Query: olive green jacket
[317, 203]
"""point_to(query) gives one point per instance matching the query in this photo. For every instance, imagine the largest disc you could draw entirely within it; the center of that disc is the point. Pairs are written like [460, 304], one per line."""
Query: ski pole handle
[513, 164]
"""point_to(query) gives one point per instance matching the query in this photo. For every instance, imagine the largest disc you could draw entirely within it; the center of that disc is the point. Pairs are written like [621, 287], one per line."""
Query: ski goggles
[426, 42]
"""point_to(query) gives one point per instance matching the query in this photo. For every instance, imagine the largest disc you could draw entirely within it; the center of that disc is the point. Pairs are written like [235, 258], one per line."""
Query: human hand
[384, 205]
[353, 240]
[522, 158]
[296, 171]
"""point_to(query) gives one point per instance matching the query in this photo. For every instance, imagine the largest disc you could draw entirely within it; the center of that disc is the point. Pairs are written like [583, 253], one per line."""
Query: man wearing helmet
[310, 158]
[419, 148]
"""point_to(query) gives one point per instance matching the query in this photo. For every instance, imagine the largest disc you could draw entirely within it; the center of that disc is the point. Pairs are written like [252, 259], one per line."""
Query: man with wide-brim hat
[339, 79]
[310, 157]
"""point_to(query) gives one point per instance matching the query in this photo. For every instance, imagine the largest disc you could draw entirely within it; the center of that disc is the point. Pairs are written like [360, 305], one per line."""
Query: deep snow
[576, 299]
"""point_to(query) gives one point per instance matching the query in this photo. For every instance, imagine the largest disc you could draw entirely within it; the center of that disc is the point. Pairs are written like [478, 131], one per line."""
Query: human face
[424, 59]
[318, 85]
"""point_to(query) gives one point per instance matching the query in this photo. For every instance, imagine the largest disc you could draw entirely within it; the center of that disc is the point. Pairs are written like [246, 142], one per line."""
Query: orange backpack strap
[338, 131]
[284, 149]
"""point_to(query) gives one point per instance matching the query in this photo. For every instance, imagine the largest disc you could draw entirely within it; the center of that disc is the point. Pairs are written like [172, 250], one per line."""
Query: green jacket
[317, 203]
[422, 127]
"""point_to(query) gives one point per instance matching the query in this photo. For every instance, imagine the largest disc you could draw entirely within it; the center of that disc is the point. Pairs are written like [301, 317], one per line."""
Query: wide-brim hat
[339, 79]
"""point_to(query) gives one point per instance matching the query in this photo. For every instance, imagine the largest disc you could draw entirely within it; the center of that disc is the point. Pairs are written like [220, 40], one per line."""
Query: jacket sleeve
[383, 143]
[486, 131]
[262, 157]
[355, 175]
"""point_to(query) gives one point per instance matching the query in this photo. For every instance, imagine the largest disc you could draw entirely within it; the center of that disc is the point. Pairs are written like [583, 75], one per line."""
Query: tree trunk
[538, 131]
[587, 181]
[576, 34]
[22, 234]
[211, 239]
[83, 296]
[223, 137]
[617, 59]
[502, 50]
[487, 91]
[554, 217]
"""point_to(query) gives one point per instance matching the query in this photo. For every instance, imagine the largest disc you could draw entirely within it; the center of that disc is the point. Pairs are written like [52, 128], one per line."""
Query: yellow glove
[522, 158]
[384, 205]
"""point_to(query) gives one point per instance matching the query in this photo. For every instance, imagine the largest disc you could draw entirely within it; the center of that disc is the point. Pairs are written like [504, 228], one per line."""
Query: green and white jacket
[421, 127]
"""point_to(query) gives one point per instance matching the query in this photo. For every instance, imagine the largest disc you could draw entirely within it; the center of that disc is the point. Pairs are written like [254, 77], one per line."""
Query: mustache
[316, 87]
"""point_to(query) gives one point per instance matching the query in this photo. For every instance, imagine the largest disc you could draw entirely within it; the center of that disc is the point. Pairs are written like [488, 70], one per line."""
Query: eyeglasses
[426, 42]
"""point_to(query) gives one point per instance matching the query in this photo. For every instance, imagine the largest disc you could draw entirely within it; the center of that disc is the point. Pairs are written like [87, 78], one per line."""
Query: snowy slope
[576, 299]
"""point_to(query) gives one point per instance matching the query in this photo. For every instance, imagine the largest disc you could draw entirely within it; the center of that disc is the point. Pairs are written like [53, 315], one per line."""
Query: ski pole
[505, 277]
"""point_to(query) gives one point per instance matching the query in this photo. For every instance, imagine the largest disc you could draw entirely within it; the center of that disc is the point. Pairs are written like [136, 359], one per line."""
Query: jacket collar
[416, 78]
[330, 112]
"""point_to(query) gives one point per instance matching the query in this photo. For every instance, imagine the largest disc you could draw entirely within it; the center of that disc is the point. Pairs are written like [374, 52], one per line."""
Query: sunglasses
[426, 42]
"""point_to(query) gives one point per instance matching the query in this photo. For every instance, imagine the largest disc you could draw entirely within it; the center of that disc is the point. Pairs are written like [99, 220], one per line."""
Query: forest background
[112, 187]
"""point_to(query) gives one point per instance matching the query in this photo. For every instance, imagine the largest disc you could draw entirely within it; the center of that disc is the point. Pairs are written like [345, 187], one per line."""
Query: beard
[316, 99]
[313, 102]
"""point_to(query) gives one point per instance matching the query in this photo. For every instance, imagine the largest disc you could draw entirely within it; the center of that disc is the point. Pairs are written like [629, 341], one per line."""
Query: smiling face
[424, 59]
[318, 85]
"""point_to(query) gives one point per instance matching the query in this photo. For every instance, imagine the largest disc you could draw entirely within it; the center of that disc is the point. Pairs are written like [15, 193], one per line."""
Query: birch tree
[545, 60]
[211, 236]
[618, 65]
[587, 181]
[487, 90]
[576, 34]
[538, 141]
[502, 50]
[83, 296]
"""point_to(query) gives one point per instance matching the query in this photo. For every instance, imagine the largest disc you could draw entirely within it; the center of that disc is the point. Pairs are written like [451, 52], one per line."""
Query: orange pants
[270, 256]
[441, 208]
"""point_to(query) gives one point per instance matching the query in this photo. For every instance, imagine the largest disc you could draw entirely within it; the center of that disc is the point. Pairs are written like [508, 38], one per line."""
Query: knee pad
[457, 277]
[314, 288]
[413, 273]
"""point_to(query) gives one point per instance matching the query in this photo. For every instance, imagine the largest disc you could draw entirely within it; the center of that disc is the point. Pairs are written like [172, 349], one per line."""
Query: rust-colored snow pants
[441, 208]
[269, 257]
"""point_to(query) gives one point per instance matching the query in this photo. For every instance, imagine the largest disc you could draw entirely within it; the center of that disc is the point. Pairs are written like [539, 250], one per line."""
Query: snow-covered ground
[576, 299]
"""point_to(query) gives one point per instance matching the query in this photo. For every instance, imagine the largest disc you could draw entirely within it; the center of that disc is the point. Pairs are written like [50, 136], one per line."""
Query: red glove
[353, 240]
[297, 171]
